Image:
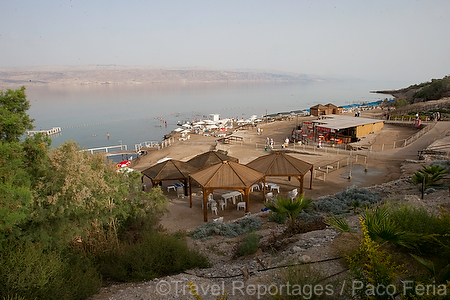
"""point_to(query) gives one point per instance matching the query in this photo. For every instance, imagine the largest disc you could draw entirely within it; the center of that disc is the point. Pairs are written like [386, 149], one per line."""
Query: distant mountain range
[112, 74]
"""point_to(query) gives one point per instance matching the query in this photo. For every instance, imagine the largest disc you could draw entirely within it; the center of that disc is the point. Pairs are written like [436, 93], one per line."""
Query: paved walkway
[411, 151]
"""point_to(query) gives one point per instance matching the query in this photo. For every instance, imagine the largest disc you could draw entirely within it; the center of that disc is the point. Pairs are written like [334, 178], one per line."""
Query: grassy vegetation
[249, 244]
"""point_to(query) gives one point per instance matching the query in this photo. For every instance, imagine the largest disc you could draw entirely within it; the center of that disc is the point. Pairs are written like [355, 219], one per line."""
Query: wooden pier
[54, 130]
[108, 152]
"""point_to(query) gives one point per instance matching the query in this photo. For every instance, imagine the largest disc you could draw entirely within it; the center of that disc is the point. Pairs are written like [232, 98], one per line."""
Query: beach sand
[381, 167]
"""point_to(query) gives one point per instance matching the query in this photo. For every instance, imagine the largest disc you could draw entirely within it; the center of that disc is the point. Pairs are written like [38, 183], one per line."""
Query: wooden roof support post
[190, 193]
[205, 206]
[185, 182]
[247, 199]
[264, 189]
[301, 178]
[310, 181]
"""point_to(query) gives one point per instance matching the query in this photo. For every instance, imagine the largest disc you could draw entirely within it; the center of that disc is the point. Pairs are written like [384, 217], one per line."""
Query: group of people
[269, 143]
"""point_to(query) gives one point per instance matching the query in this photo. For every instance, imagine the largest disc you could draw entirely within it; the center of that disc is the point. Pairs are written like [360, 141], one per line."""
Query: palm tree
[429, 176]
[291, 208]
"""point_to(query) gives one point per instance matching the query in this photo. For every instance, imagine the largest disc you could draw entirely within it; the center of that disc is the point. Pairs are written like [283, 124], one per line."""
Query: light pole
[351, 165]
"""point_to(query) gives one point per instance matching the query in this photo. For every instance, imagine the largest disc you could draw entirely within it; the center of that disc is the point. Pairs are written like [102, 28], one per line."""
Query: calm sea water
[133, 114]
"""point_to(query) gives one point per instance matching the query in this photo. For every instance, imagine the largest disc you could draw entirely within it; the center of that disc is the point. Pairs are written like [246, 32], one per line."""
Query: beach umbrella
[124, 163]
[125, 170]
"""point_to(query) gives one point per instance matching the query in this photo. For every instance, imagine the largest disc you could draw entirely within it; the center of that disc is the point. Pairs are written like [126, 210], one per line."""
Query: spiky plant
[291, 208]
[382, 228]
[429, 176]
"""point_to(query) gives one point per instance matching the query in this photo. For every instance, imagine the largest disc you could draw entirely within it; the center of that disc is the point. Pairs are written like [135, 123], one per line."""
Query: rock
[296, 249]
[305, 259]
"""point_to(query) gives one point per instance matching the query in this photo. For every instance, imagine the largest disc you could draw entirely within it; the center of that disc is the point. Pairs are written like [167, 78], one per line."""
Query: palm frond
[338, 223]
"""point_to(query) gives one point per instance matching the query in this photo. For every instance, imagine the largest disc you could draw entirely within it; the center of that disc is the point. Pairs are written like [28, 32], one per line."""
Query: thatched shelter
[170, 170]
[227, 175]
[210, 158]
[281, 164]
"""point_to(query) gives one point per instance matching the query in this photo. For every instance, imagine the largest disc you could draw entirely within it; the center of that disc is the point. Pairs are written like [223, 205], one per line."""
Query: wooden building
[321, 110]
[348, 128]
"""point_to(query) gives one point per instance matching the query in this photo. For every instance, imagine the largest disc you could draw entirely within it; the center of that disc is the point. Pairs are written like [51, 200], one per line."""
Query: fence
[303, 147]
[338, 149]
[404, 142]
[322, 171]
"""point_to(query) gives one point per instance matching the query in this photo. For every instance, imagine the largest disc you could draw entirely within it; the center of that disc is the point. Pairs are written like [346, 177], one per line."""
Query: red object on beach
[124, 163]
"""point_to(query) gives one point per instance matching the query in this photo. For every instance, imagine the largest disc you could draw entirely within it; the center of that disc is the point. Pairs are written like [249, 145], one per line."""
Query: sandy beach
[379, 167]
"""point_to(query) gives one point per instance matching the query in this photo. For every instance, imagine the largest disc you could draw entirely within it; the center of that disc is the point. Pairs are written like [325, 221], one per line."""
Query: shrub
[433, 228]
[156, 255]
[206, 230]
[371, 265]
[31, 273]
[227, 230]
[249, 244]
[306, 278]
[442, 163]
[309, 216]
[333, 205]
[352, 194]
[277, 217]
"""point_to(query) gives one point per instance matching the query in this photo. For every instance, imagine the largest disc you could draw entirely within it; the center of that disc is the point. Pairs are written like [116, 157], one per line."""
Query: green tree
[78, 189]
[14, 120]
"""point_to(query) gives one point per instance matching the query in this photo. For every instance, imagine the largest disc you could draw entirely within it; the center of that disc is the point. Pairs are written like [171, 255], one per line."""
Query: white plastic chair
[269, 197]
[222, 204]
[275, 187]
[293, 194]
[218, 220]
[214, 210]
[180, 191]
[240, 204]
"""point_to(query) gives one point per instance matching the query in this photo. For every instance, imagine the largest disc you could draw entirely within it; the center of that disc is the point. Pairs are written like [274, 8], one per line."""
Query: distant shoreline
[100, 75]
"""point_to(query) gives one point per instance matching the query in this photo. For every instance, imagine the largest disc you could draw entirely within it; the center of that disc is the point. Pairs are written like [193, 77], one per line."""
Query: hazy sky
[402, 40]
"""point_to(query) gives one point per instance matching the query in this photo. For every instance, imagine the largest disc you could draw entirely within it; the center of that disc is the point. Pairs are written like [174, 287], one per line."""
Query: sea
[131, 114]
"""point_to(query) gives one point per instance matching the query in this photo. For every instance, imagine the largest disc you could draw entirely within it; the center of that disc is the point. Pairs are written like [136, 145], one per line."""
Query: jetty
[54, 130]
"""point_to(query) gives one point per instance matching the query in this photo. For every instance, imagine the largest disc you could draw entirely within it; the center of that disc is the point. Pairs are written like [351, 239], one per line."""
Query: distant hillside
[433, 90]
[100, 74]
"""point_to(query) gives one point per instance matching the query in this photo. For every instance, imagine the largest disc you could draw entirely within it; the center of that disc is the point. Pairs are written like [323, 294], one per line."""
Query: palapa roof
[318, 106]
[280, 164]
[227, 175]
[210, 158]
[331, 105]
[169, 170]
